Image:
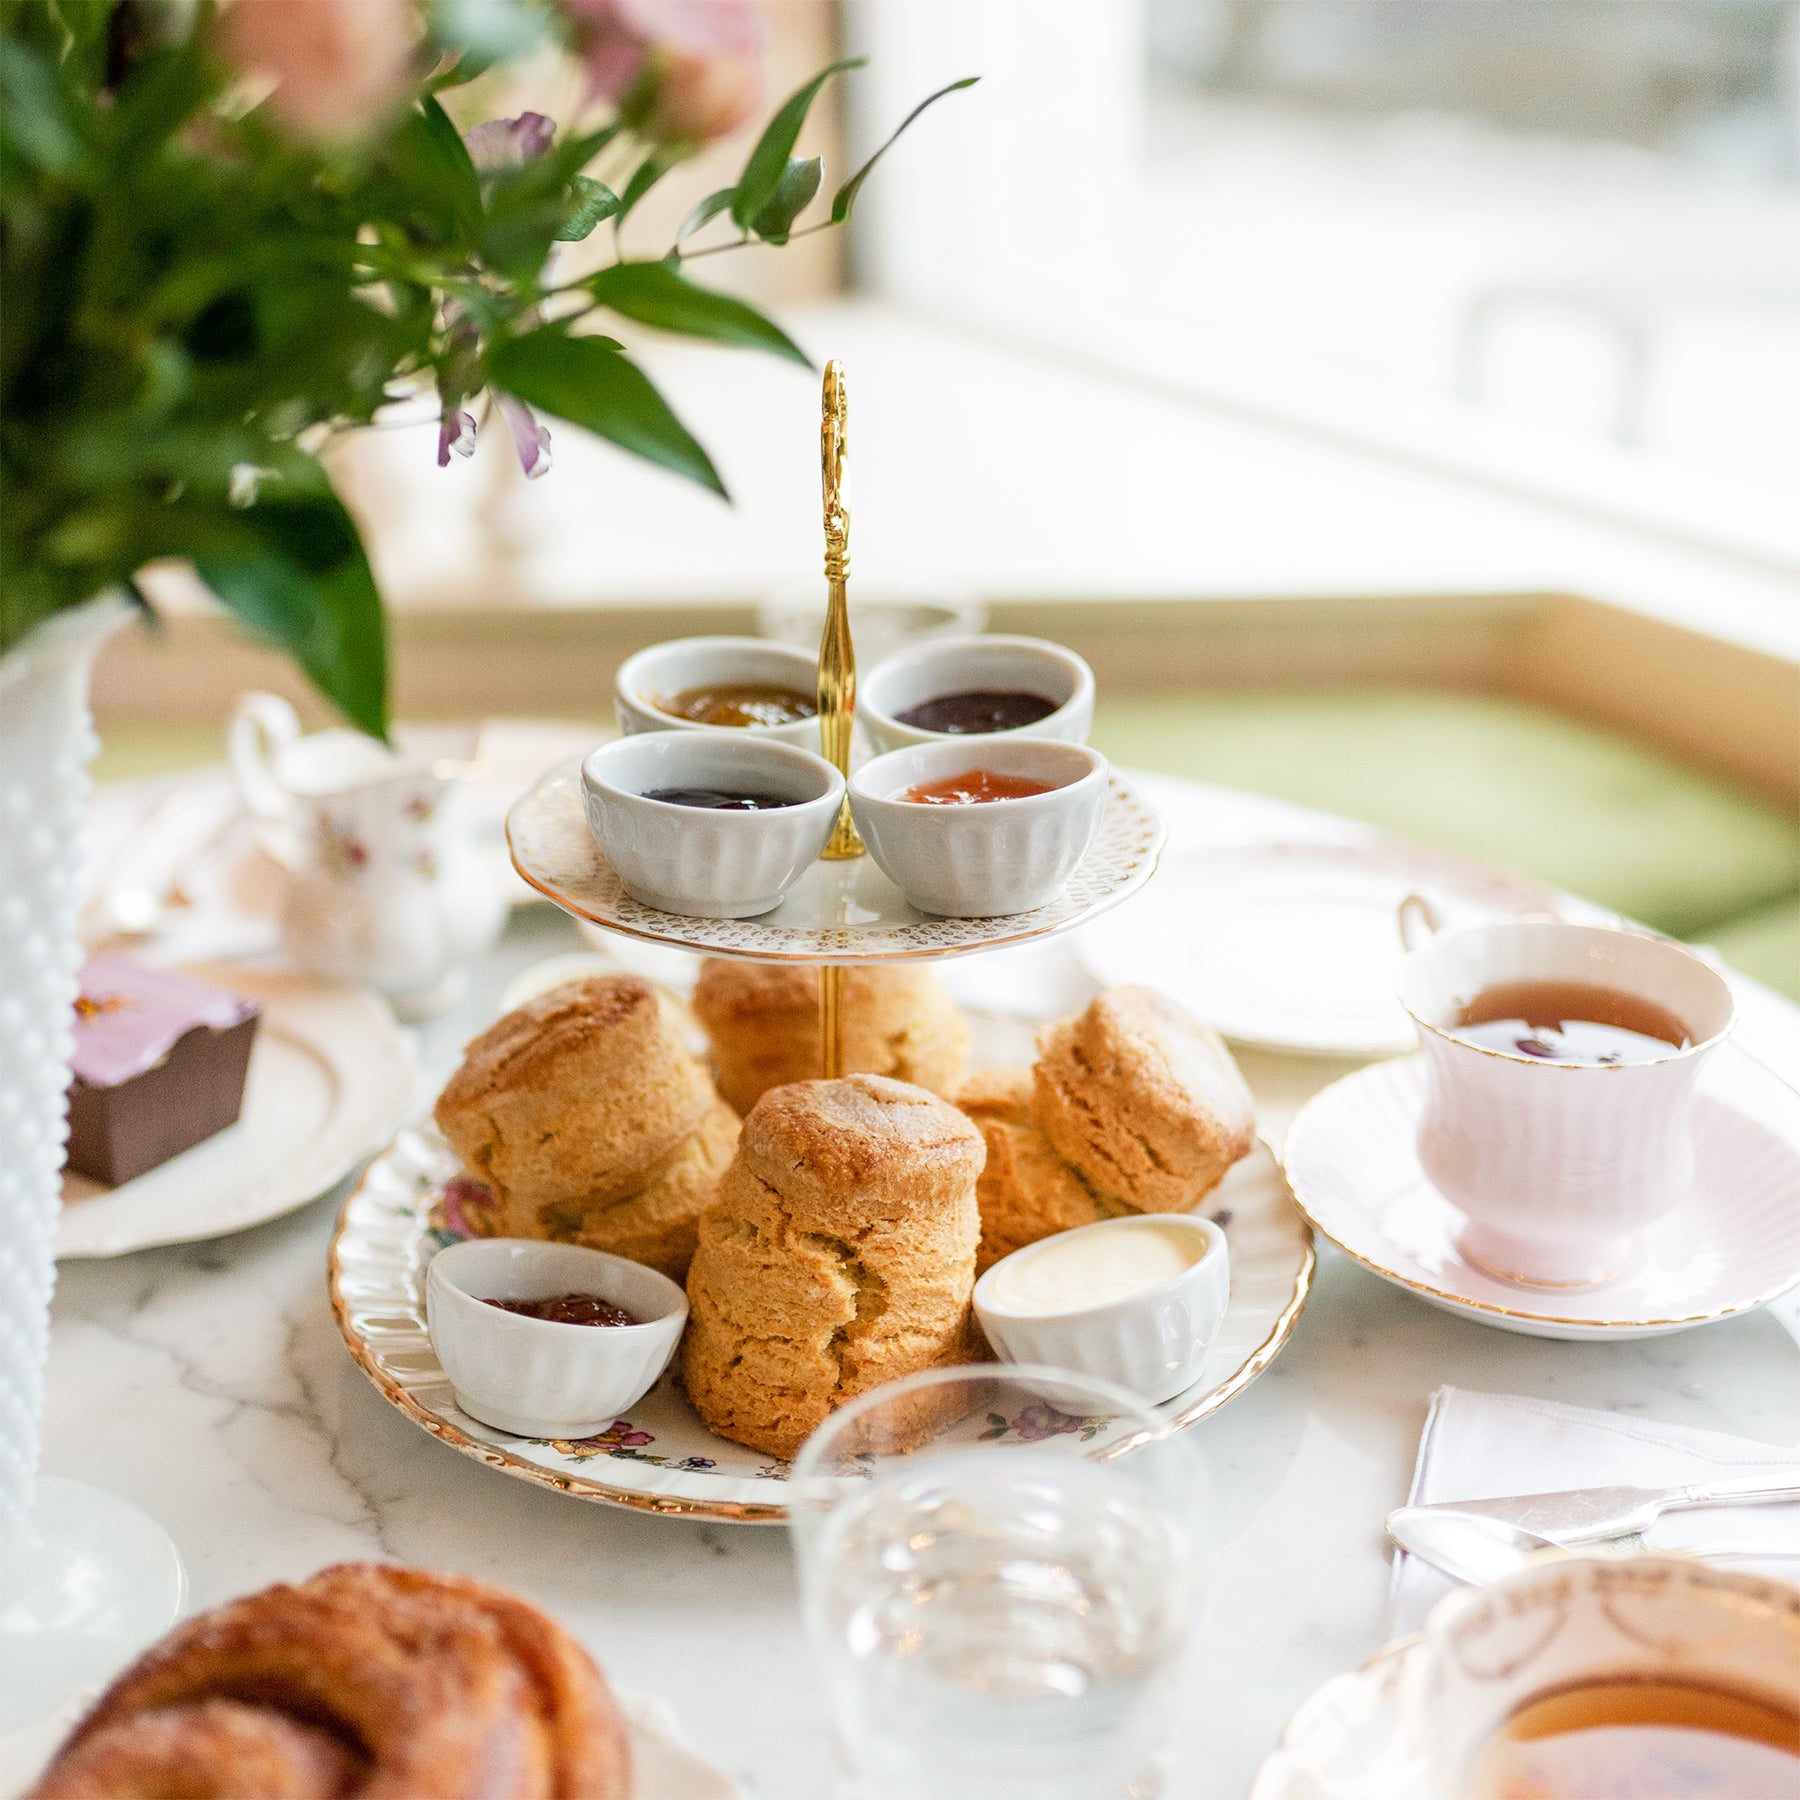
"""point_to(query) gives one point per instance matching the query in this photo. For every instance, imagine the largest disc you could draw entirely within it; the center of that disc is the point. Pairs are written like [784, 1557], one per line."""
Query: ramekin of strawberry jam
[977, 828]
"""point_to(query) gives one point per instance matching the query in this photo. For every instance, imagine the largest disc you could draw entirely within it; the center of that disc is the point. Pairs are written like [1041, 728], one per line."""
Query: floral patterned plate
[415, 1199]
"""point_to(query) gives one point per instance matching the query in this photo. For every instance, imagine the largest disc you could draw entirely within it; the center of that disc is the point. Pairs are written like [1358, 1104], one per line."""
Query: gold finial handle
[837, 654]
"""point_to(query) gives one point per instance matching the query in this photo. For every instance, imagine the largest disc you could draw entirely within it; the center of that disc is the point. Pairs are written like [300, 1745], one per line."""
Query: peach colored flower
[692, 69]
[339, 66]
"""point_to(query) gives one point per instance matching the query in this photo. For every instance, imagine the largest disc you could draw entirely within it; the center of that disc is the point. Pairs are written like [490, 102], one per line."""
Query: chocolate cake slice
[159, 1065]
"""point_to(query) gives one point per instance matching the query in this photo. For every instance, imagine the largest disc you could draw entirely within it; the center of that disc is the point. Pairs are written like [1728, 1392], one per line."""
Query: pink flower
[530, 439]
[339, 66]
[1039, 1421]
[509, 143]
[686, 70]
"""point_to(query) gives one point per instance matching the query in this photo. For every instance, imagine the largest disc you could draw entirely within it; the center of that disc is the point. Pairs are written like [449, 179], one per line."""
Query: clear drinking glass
[999, 1568]
[887, 613]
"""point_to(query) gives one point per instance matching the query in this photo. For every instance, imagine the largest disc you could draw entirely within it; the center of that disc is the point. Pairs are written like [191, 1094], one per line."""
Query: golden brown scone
[1026, 1191]
[578, 1095]
[839, 1254]
[659, 1223]
[1143, 1100]
[763, 1019]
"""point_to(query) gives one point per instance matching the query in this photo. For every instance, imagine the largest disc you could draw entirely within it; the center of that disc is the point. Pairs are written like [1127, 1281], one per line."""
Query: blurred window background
[1553, 225]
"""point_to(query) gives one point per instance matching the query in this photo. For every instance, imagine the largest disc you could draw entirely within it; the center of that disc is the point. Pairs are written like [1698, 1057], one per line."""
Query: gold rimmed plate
[1732, 1246]
[413, 1201]
[838, 912]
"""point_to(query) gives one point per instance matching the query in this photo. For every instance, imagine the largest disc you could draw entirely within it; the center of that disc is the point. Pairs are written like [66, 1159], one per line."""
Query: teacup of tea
[1560, 1068]
[1660, 1677]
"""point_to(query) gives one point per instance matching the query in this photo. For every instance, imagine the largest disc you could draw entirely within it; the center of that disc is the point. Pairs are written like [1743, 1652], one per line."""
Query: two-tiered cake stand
[844, 912]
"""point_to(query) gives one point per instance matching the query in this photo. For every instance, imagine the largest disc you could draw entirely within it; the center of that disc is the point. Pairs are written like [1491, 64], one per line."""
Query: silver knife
[1588, 1515]
[1476, 1547]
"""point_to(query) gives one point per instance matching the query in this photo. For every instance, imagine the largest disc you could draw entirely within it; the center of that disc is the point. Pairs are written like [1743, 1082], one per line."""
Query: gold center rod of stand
[837, 677]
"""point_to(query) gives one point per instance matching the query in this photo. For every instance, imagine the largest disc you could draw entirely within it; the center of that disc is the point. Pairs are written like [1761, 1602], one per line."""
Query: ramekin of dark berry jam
[713, 824]
[549, 1340]
[977, 687]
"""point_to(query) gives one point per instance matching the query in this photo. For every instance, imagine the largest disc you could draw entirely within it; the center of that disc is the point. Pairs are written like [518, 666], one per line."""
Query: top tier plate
[838, 912]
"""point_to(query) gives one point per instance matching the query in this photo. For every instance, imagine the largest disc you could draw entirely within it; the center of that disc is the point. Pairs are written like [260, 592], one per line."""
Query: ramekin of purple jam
[976, 687]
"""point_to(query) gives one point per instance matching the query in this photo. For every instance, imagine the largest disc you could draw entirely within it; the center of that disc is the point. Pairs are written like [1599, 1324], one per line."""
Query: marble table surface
[208, 1383]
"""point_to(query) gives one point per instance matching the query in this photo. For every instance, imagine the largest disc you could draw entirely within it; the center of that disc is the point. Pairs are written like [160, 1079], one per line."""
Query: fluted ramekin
[535, 1377]
[960, 665]
[647, 681]
[1152, 1342]
[694, 859]
[994, 857]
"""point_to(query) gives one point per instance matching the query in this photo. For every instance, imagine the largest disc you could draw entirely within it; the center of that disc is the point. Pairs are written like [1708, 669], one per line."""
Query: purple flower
[1038, 1421]
[456, 431]
[530, 439]
[509, 143]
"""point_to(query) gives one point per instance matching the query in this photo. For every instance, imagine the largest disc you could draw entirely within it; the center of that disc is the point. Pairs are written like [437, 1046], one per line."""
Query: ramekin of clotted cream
[1137, 1301]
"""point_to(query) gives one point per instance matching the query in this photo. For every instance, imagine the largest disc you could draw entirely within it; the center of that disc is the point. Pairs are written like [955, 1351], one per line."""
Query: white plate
[663, 1459]
[1344, 1743]
[1734, 1245]
[330, 1076]
[1294, 946]
[838, 912]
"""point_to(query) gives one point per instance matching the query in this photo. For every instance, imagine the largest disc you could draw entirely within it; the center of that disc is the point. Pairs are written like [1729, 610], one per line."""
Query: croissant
[368, 1682]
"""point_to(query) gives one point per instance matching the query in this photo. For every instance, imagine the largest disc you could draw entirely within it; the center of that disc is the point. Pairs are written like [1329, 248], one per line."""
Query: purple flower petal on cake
[530, 439]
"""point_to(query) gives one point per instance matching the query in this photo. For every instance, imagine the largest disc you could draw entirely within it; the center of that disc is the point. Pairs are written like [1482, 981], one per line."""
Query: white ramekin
[960, 665]
[992, 858]
[1152, 1342]
[660, 673]
[690, 859]
[532, 1377]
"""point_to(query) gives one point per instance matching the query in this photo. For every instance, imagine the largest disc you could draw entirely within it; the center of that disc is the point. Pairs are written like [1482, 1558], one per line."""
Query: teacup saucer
[1344, 1743]
[1732, 1247]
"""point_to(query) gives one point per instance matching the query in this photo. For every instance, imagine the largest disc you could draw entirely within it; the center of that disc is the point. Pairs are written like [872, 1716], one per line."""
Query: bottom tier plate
[409, 1205]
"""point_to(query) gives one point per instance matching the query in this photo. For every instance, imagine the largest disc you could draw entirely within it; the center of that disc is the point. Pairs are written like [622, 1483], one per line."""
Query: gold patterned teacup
[1511, 1678]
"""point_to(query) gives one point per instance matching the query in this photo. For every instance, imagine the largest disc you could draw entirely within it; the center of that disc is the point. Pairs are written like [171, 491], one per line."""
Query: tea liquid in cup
[1560, 1069]
[1661, 1677]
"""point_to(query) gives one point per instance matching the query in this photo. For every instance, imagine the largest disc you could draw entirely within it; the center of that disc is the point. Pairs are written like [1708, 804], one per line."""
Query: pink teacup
[1557, 1165]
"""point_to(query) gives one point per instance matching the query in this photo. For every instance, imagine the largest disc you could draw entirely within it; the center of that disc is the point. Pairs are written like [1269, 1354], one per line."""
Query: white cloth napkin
[1493, 1446]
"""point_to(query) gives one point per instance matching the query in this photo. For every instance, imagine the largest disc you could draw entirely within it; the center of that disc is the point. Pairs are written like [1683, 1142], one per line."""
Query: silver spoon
[1473, 1547]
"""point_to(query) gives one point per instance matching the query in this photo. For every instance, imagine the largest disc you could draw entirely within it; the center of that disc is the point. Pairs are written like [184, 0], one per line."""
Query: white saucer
[331, 1075]
[1734, 1246]
[1344, 1742]
[1293, 946]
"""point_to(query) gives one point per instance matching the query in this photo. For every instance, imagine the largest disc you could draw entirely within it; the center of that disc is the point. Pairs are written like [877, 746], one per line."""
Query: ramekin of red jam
[548, 1340]
[979, 829]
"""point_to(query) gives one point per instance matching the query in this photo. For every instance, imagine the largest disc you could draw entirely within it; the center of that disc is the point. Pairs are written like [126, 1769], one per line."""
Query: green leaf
[845, 198]
[441, 159]
[704, 214]
[643, 178]
[582, 380]
[594, 201]
[792, 195]
[295, 573]
[654, 294]
[769, 160]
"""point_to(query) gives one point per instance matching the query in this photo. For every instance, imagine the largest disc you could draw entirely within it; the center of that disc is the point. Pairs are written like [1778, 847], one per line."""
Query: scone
[1026, 1191]
[839, 1254]
[659, 1223]
[582, 1094]
[763, 1019]
[1142, 1100]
